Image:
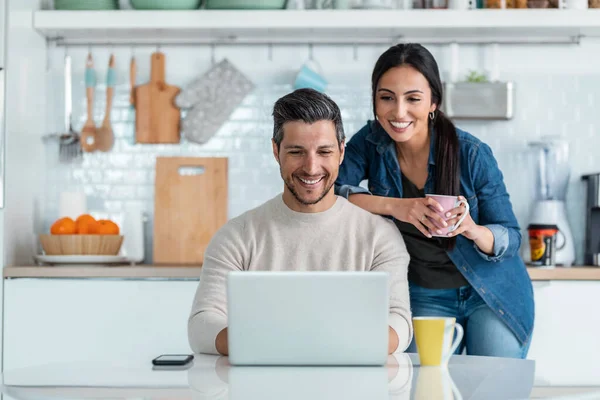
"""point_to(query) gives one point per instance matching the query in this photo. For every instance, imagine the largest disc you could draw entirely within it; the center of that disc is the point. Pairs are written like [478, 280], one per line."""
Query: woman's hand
[417, 211]
[468, 228]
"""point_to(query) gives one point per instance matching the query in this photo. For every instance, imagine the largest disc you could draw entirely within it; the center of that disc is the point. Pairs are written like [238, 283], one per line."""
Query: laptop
[307, 318]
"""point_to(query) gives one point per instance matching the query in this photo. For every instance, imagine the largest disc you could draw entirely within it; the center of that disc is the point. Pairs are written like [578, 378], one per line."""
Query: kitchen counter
[121, 271]
[579, 273]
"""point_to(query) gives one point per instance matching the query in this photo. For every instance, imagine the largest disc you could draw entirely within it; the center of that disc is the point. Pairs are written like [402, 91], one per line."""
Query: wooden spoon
[88, 132]
[105, 135]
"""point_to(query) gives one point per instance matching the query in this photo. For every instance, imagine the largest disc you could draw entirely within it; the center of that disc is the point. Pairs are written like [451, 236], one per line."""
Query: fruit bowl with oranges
[82, 236]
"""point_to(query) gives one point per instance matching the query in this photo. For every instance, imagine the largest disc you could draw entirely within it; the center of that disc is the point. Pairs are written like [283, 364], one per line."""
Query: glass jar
[538, 4]
[432, 4]
[495, 3]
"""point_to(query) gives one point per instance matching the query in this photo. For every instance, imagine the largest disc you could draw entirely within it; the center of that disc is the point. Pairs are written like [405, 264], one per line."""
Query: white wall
[25, 124]
[24, 120]
[556, 93]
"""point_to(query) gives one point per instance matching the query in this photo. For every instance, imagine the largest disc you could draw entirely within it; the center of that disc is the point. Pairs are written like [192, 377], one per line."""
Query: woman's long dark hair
[447, 166]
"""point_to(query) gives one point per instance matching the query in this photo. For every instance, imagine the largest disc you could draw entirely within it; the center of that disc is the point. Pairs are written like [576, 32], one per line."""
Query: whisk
[69, 149]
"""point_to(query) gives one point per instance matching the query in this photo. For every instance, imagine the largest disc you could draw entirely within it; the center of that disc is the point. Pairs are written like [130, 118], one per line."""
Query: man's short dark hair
[309, 106]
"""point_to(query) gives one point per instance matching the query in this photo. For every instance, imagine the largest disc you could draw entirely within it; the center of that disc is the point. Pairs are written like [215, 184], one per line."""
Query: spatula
[88, 132]
[104, 135]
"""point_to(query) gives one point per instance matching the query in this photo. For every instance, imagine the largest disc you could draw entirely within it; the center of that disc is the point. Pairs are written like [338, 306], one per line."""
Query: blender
[551, 155]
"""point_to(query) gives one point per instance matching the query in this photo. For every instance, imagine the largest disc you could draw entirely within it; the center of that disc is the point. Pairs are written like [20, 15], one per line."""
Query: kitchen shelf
[579, 273]
[317, 26]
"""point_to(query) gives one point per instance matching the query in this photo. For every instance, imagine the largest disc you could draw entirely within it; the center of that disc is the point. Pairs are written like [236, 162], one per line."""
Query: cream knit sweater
[272, 237]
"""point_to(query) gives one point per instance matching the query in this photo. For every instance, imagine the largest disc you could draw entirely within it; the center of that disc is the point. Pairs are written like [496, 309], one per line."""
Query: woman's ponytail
[447, 171]
[447, 161]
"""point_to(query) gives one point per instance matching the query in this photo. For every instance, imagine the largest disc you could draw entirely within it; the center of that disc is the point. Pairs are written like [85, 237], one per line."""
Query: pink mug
[448, 203]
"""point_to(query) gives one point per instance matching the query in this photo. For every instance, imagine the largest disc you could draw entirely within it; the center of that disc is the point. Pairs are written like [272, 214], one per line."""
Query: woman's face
[403, 103]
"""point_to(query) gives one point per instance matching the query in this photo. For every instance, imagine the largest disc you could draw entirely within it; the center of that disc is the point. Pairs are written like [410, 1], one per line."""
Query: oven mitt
[211, 99]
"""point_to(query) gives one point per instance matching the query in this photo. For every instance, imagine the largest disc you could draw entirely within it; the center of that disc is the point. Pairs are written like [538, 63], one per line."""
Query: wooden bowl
[63, 245]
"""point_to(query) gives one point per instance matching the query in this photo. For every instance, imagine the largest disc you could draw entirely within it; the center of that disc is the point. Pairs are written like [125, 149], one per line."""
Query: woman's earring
[431, 115]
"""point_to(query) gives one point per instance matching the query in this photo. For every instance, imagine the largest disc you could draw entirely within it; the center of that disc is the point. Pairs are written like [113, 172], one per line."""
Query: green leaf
[476, 77]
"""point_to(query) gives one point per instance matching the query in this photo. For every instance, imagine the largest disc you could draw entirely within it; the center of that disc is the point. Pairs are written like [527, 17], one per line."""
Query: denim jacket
[500, 279]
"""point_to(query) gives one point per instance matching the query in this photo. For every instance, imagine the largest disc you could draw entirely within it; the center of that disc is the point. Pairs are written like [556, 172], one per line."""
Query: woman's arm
[354, 168]
[374, 204]
[495, 209]
[417, 211]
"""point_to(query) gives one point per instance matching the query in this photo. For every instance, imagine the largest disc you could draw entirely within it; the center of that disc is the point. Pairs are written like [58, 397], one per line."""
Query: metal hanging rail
[234, 40]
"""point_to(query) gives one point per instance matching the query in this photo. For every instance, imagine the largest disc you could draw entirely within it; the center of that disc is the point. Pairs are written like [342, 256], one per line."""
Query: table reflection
[214, 378]
[471, 378]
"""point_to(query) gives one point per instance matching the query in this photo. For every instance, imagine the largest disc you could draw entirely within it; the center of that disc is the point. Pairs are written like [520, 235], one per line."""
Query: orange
[63, 226]
[86, 225]
[107, 227]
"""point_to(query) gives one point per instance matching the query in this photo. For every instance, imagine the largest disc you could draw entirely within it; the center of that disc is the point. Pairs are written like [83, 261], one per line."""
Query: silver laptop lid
[308, 318]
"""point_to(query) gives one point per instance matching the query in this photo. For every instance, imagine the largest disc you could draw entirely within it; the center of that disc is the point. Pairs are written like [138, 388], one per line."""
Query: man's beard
[304, 202]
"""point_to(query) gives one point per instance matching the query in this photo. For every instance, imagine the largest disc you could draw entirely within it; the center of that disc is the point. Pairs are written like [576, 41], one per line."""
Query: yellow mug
[433, 336]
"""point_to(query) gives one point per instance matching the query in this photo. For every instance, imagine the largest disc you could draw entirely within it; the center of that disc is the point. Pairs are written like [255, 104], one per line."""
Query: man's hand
[221, 342]
[392, 343]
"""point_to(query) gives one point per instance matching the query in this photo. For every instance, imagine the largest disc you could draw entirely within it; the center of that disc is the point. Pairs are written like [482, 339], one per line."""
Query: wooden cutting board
[156, 115]
[190, 206]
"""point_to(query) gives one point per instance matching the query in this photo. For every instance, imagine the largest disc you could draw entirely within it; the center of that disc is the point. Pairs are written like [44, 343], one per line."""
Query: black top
[429, 266]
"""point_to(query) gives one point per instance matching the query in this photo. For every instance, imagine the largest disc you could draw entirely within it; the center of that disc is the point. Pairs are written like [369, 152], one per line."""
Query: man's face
[309, 158]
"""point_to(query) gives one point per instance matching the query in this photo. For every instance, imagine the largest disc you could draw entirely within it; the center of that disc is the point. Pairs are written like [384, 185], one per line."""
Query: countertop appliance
[591, 254]
[551, 157]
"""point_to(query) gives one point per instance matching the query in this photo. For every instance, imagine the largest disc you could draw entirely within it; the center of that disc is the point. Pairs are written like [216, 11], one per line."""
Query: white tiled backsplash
[550, 99]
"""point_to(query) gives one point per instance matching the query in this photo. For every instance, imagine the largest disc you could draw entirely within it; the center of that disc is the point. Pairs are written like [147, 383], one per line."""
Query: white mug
[448, 203]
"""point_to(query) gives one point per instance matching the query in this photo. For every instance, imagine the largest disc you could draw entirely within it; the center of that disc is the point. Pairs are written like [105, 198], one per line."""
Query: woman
[412, 148]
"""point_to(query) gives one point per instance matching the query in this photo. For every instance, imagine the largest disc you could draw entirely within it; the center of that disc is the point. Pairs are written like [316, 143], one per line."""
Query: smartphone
[173, 359]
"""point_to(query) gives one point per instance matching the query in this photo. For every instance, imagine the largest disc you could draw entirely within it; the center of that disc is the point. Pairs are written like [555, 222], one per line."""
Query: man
[307, 227]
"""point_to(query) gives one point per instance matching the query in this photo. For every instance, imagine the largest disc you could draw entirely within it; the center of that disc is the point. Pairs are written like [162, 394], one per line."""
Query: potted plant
[476, 97]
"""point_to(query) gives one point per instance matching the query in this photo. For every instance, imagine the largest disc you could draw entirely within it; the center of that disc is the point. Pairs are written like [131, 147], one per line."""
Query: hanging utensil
[88, 132]
[69, 149]
[211, 99]
[105, 134]
[132, 70]
[156, 115]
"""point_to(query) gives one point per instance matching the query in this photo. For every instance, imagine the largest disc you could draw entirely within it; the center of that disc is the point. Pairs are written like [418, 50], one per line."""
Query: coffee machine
[551, 158]
[591, 254]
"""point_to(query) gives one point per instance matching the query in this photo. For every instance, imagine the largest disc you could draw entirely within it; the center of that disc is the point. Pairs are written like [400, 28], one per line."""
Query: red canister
[542, 242]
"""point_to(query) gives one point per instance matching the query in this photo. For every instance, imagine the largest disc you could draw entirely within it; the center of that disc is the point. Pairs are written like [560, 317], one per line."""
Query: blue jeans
[485, 333]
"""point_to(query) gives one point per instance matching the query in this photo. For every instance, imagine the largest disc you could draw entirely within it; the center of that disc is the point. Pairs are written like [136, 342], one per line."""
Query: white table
[211, 377]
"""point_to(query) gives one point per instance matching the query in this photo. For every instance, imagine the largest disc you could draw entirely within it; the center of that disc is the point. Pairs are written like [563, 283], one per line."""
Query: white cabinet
[63, 320]
[566, 337]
